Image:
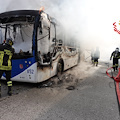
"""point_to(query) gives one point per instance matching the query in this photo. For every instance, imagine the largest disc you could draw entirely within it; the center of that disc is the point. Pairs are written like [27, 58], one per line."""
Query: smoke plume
[88, 21]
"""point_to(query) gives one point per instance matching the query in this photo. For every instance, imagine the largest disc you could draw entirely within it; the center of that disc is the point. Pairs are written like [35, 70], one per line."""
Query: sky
[89, 21]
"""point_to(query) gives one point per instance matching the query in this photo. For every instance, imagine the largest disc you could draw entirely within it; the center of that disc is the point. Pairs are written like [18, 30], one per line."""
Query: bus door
[43, 48]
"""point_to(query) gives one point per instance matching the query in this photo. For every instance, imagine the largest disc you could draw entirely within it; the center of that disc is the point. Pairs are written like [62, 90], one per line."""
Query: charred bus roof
[18, 15]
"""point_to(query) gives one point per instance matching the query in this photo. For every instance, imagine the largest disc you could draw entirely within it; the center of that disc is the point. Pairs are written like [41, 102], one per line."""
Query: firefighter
[6, 52]
[116, 55]
[96, 56]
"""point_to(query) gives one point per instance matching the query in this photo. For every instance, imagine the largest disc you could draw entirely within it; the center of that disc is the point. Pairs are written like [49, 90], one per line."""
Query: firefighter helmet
[9, 41]
[117, 49]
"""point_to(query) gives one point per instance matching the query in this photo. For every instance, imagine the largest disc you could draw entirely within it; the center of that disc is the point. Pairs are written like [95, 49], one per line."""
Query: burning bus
[39, 43]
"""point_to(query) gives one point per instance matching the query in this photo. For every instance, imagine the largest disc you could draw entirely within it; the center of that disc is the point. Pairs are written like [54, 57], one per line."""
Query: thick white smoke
[88, 21]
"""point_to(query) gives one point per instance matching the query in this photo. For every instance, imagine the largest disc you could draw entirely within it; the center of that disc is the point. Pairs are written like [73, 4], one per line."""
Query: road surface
[92, 98]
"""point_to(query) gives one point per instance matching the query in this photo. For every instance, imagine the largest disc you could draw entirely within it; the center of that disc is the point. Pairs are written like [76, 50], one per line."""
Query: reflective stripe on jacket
[116, 54]
[6, 52]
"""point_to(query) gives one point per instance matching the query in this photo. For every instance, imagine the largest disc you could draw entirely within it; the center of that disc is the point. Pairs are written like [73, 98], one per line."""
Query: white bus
[40, 52]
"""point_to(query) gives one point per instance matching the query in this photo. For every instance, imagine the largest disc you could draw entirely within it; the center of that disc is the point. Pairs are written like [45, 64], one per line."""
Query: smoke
[88, 21]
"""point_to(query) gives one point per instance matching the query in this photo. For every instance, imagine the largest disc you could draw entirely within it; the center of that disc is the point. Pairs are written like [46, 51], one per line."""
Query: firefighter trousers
[8, 78]
[115, 63]
[96, 61]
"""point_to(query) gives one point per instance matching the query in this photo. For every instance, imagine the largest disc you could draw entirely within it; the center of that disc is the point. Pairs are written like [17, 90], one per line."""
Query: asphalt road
[93, 98]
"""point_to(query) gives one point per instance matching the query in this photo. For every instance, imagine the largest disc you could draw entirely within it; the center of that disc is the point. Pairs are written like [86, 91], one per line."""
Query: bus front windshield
[21, 35]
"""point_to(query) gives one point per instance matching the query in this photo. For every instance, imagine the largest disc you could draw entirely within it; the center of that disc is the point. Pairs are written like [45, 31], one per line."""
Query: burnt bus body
[39, 49]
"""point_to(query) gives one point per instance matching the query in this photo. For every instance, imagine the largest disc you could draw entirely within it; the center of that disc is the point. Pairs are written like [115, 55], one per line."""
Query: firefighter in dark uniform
[116, 55]
[6, 52]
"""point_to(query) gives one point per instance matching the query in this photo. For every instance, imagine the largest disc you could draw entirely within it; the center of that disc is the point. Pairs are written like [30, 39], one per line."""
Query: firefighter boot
[9, 90]
[96, 64]
[114, 69]
[9, 83]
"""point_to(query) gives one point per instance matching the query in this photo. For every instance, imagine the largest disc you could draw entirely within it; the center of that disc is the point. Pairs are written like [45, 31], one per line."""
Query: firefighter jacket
[115, 55]
[6, 52]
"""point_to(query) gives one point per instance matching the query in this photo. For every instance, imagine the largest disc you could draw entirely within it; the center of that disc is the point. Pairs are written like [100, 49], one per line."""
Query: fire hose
[116, 83]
